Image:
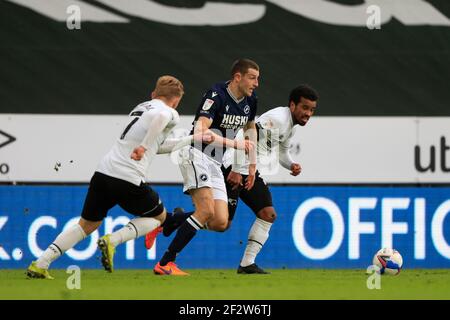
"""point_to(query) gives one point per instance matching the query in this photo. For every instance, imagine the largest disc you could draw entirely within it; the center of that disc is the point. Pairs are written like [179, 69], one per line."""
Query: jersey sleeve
[173, 144]
[155, 124]
[175, 116]
[285, 155]
[209, 105]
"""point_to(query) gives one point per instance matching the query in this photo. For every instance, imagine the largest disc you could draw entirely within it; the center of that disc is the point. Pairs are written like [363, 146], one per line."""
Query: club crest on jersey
[204, 177]
[247, 109]
[208, 104]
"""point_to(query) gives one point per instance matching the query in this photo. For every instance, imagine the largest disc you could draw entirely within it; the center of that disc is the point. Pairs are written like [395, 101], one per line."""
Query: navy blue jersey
[227, 114]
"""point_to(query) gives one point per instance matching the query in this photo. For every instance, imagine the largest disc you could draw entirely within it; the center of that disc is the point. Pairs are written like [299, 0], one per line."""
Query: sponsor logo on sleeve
[208, 104]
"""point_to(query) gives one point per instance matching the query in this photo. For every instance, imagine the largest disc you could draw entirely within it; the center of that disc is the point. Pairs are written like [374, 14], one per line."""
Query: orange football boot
[151, 237]
[170, 269]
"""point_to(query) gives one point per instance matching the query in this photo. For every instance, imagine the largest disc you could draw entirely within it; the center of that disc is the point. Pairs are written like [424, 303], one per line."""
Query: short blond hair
[169, 87]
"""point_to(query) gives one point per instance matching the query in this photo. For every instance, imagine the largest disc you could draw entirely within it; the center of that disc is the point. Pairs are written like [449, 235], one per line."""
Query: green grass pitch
[288, 284]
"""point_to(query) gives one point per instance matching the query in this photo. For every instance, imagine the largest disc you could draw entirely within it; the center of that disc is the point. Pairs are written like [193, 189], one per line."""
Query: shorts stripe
[154, 208]
[195, 174]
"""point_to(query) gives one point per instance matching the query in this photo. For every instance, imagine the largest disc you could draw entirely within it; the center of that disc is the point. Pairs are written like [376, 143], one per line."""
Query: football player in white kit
[120, 179]
[275, 129]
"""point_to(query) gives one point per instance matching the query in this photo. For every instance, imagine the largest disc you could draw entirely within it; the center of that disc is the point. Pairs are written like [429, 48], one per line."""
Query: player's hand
[138, 153]
[295, 169]
[250, 181]
[204, 137]
[246, 145]
[249, 146]
[235, 179]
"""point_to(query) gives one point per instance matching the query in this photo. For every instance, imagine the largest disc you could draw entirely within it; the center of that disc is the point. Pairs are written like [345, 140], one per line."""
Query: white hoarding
[67, 148]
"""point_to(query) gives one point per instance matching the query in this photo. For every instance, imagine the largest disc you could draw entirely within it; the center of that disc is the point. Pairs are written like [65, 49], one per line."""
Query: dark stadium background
[106, 67]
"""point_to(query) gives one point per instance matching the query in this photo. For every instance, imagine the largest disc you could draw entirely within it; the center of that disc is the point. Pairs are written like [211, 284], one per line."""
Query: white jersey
[152, 119]
[275, 128]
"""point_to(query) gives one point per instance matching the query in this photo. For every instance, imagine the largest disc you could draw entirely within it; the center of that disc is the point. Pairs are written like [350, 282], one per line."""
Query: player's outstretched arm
[203, 124]
[250, 135]
[173, 144]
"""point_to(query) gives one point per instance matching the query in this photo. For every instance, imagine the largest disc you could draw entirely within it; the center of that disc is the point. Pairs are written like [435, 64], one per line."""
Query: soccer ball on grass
[389, 261]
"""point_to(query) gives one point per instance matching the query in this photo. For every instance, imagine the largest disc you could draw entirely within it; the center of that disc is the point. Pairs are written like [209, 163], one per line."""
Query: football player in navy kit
[275, 129]
[225, 108]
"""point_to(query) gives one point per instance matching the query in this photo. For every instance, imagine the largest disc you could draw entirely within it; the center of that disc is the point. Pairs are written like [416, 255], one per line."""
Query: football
[389, 261]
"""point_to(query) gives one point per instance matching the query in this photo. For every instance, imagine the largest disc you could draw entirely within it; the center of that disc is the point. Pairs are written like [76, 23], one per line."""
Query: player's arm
[156, 124]
[206, 113]
[204, 123]
[250, 135]
[173, 144]
[234, 178]
[285, 159]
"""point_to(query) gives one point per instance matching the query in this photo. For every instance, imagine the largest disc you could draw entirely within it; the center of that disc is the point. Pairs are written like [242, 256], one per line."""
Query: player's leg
[172, 222]
[196, 172]
[141, 201]
[176, 220]
[63, 242]
[257, 237]
[220, 220]
[204, 210]
[96, 206]
[259, 199]
[232, 194]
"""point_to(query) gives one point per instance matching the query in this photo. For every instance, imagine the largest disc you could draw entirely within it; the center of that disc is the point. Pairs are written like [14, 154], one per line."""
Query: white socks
[257, 236]
[134, 229]
[63, 242]
[70, 237]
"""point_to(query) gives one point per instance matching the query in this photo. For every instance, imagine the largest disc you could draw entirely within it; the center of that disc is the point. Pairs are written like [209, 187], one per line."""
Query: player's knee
[206, 211]
[204, 208]
[224, 226]
[267, 214]
[219, 226]
[89, 226]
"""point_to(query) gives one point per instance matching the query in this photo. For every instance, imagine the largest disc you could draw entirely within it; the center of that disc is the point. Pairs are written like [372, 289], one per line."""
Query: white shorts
[199, 170]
